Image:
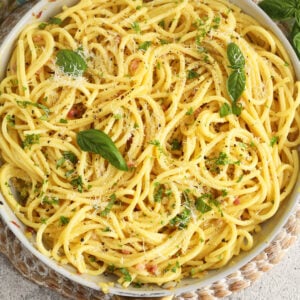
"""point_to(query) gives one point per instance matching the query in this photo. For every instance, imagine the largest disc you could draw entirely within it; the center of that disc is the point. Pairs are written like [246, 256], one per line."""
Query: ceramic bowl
[262, 239]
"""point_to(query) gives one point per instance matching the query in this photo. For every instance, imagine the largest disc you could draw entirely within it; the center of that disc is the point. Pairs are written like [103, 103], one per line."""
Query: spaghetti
[153, 76]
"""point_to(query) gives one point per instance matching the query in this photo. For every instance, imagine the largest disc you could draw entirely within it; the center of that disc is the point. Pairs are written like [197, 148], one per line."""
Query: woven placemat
[33, 269]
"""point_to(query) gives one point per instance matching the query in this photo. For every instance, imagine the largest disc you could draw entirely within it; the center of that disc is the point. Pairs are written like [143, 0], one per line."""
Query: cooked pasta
[209, 139]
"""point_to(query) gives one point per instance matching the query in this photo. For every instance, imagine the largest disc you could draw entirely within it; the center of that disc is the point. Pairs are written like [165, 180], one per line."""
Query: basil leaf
[296, 38]
[96, 141]
[236, 84]
[297, 16]
[236, 108]
[278, 9]
[296, 43]
[225, 110]
[235, 56]
[71, 62]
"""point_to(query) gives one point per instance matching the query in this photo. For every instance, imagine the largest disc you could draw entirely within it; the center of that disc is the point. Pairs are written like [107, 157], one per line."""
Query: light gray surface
[281, 283]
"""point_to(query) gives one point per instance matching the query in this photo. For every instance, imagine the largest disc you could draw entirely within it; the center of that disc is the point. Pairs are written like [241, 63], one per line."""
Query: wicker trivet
[33, 269]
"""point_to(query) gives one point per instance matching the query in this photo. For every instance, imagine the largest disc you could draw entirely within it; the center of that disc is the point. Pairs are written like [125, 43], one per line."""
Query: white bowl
[269, 228]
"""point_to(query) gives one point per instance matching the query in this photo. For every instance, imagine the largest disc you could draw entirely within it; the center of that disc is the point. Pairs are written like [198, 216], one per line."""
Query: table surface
[280, 283]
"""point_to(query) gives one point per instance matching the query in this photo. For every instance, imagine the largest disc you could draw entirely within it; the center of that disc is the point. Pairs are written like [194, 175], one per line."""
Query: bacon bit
[152, 269]
[51, 0]
[134, 65]
[129, 142]
[78, 273]
[29, 229]
[118, 39]
[37, 38]
[237, 201]
[39, 71]
[124, 251]
[16, 224]
[76, 111]
[38, 15]
[140, 267]
[164, 107]
[131, 164]
[197, 112]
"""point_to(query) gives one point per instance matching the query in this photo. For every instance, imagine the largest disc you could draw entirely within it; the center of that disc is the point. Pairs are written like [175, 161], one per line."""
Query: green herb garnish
[200, 204]
[182, 219]
[136, 27]
[64, 220]
[285, 10]
[127, 277]
[71, 62]
[192, 74]
[96, 141]
[109, 206]
[236, 82]
[273, 141]
[158, 194]
[25, 104]
[77, 182]
[11, 120]
[144, 46]
[30, 139]
[176, 145]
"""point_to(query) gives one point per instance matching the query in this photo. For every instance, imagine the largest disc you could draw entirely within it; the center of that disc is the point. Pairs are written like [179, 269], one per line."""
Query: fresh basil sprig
[96, 141]
[236, 81]
[284, 10]
[71, 62]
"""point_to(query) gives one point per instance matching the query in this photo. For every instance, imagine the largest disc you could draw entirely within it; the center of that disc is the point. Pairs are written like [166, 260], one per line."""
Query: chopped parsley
[200, 204]
[109, 206]
[11, 120]
[127, 277]
[136, 27]
[77, 182]
[274, 140]
[163, 42]
[54, 20]
[43, 220]
[155, 143]
[158, 194]
[192, 74]
[50, 200]
[67, 155]
[182, 219]
[176, 145]
[144, 46]
[30, 139]
[63, 220]
[162, 24]
[25, 104]
[190, 111]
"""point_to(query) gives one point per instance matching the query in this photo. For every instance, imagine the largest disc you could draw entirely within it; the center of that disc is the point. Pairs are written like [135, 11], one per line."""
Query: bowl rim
[50, 9]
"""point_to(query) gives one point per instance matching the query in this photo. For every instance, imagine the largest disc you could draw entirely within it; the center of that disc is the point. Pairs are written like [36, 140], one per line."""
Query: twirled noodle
[199, 183]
